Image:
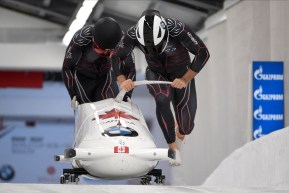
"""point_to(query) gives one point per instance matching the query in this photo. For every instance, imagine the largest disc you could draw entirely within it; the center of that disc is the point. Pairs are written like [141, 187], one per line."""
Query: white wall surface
[24, 43]
[33, 56]
[12, 19]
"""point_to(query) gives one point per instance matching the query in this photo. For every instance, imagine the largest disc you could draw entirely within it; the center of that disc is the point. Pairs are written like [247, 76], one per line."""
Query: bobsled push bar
[121, 94]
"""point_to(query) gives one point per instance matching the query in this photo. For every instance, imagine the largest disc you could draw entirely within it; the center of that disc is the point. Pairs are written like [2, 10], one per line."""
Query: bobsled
[112, 141]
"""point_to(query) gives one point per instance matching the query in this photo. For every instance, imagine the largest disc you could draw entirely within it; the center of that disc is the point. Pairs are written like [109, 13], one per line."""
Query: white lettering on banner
[271, 77]
[258, 74]
[258, 94]
[270, 97]
[267, 117]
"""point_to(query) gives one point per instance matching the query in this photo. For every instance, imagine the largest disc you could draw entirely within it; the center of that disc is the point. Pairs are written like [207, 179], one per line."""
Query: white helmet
[152, 32]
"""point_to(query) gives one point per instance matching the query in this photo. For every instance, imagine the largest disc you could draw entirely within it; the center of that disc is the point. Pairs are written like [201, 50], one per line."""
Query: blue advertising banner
[27, 152]
[268, 98]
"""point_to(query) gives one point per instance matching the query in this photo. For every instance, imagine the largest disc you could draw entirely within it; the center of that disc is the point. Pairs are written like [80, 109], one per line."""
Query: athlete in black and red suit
[86, 68]
[166, 44]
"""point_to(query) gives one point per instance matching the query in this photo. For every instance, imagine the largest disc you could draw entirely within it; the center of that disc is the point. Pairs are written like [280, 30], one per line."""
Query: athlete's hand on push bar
[179, 83]
[127, 85]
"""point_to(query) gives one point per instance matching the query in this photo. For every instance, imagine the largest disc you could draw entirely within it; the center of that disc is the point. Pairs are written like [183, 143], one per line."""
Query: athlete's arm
[72, 56]
[124, 50]
[128, 72]
[128, 67]
[196, 46]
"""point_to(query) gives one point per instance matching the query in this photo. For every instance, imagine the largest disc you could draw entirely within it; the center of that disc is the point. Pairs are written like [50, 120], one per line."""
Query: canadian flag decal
[121, 149]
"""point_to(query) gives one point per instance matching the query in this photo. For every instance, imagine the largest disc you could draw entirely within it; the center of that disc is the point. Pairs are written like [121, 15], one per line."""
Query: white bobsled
[112, 141]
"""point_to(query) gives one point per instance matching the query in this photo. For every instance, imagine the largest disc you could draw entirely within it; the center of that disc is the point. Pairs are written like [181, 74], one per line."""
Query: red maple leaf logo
[116, 114]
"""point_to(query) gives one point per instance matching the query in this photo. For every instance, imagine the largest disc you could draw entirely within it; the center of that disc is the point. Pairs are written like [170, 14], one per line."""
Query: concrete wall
[27, 42]
[251, 31]
[15, 20]
[32, 56]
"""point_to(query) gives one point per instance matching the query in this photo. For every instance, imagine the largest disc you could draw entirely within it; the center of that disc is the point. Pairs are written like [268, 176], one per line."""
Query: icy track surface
[260, 163]
[55, 188]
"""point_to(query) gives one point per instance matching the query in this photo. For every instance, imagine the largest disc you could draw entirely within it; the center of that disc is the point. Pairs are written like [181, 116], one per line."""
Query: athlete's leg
[185, 105]
[162, 94]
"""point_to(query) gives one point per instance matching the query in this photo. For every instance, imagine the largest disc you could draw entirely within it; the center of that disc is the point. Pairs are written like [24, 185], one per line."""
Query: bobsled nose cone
[69, 153]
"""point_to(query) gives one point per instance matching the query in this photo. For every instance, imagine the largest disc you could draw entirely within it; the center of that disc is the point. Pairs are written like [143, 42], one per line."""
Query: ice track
[58, 188]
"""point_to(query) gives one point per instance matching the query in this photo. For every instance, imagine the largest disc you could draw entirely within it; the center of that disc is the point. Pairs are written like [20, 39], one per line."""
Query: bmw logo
[7, 173]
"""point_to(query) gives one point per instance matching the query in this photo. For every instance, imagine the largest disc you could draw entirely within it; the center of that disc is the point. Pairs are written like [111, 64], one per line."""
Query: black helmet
[152, 32]
[106, 33]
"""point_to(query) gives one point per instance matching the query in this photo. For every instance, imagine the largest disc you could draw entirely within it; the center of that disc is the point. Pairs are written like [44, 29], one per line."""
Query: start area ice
[68, 188]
